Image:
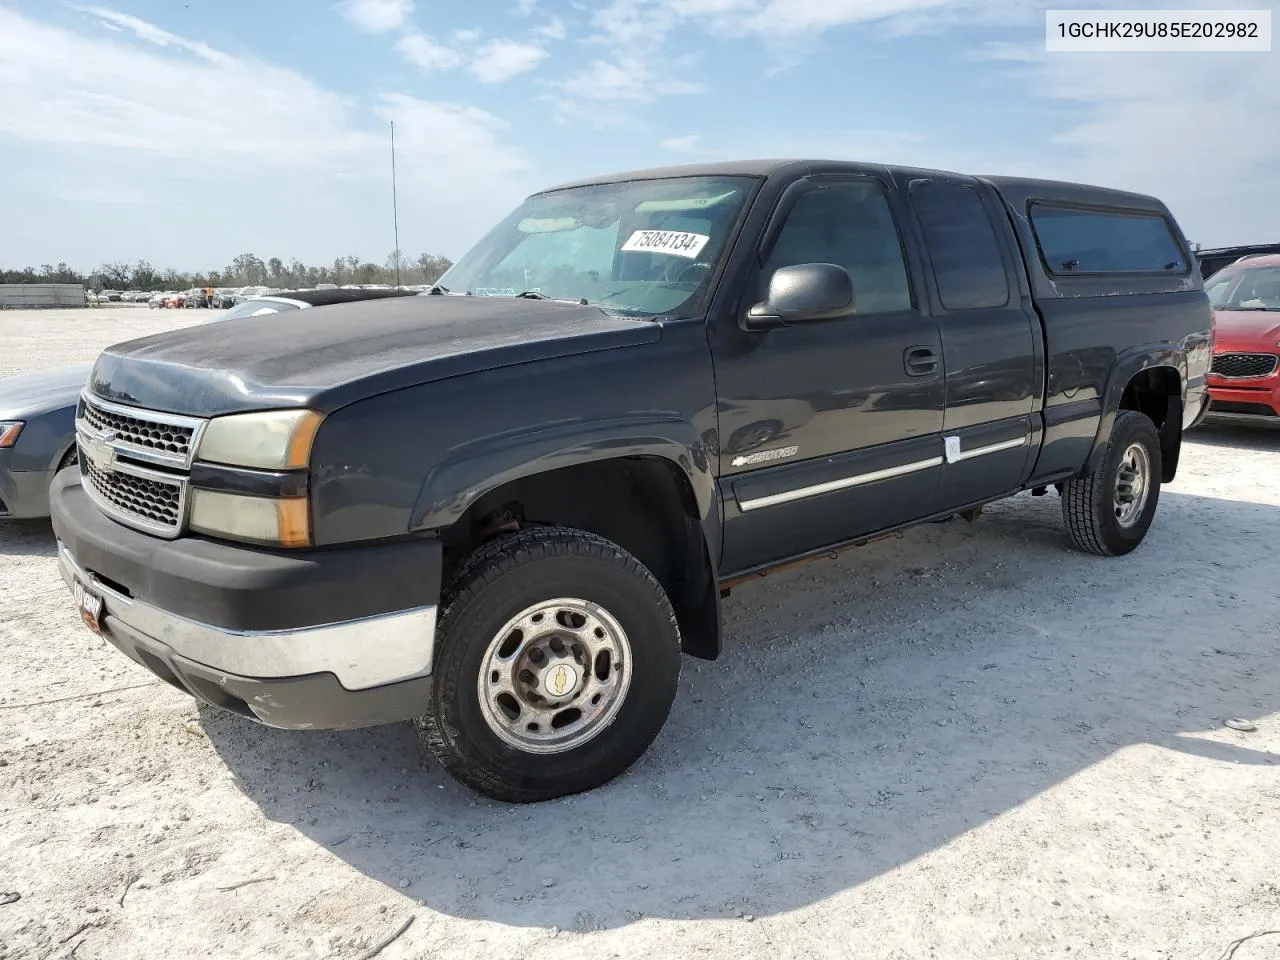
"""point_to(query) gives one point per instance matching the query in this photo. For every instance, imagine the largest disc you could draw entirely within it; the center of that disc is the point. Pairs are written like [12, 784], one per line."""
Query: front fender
[1129, 364]
[477, 468]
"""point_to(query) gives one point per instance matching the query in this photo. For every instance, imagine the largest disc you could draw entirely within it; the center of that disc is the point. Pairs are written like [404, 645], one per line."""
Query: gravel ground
[964, 742]
[37, 339]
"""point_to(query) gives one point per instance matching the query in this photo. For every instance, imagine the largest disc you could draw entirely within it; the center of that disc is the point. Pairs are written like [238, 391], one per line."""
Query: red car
[1244, 382]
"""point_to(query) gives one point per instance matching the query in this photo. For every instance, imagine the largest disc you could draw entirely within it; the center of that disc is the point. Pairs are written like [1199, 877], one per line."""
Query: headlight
[285, 523]
[9, 430]
[275, 440]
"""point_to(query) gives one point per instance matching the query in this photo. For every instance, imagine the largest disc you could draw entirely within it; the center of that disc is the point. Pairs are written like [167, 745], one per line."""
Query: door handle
[920, 361]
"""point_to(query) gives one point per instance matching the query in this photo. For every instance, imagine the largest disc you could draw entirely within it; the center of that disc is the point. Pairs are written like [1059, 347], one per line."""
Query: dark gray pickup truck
[505, 508]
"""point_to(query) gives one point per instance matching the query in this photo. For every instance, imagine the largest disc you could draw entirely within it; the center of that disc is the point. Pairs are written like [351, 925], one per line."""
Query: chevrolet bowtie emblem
[100, 452]
[559, 680]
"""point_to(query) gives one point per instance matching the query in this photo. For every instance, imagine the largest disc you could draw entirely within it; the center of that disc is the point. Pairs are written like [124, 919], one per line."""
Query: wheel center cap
[559, 680]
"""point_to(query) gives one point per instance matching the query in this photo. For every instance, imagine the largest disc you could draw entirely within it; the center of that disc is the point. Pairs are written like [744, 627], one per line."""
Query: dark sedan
[37, 436]
[38, 410]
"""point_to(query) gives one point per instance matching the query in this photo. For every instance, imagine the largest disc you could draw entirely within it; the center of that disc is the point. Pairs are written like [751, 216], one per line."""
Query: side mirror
[803, 293]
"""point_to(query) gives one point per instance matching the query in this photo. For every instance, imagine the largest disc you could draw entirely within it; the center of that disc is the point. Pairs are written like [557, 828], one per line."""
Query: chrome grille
[140, 497]
[1244, 366]
[134, 463]
[165, 439]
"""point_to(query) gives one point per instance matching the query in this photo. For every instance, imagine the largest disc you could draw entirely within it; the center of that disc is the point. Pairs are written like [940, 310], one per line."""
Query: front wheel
[557, 660]
[1110, 511]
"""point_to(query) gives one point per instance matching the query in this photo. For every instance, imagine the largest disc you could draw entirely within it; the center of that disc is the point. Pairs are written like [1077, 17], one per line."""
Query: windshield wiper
[535, 295]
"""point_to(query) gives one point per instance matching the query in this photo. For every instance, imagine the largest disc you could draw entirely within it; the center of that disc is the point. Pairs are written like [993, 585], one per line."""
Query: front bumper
[329, 639]
[1245, 401]
[23, 493]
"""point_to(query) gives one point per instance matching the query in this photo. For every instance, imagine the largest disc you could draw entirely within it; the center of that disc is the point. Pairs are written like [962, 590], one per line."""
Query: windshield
[1243, 287]
[642, 248]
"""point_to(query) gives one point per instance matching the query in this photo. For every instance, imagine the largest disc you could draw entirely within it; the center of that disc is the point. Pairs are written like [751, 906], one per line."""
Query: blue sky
[188, 131]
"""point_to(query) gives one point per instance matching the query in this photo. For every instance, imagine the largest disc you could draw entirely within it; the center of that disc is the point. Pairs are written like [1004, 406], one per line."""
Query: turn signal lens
[9, 431]
[283, 523]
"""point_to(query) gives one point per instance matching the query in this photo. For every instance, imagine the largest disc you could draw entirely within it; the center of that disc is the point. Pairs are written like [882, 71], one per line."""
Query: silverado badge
[764, 456]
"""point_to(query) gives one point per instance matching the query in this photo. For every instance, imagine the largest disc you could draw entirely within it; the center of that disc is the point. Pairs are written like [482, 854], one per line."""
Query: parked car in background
[283, 301]
[111, 296]
[156, 300]
[37, 436]
[175, 301]
[248, 293]
[199, 297]
[37, 410]
[1213, 260]
[1244, 382]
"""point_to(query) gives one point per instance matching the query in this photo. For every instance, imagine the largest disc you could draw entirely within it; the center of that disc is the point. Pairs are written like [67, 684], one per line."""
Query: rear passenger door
[990, 341]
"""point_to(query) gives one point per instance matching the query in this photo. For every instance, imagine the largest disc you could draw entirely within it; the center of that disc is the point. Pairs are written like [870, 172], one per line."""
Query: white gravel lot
[966, 742]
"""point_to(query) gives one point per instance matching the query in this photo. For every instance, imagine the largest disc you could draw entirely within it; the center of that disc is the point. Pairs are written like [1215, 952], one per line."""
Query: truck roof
[1013, 188]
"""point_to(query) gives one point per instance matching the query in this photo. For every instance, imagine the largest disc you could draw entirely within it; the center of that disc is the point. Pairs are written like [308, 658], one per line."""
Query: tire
[505, 580]
[1097, 520]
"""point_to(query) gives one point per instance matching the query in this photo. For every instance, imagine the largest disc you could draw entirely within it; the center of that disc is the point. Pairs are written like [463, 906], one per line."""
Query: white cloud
[1195, 131]
[688, 144]
[91, 92]
[93, 116]
[377, 16]
[466, 36]
[804, 20]
[452, 140]
[798, 16]
[500, 60]
[526, 7]
[119, 22]
[427, 54]
[635, 68]
[628, 79]
[552, 30]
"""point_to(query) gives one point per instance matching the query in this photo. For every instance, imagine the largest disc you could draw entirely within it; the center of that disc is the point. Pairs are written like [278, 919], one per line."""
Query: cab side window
[967, 264]
[849, 224]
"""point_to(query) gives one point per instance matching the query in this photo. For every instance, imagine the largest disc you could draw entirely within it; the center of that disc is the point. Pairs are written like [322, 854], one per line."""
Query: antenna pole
[395, 213]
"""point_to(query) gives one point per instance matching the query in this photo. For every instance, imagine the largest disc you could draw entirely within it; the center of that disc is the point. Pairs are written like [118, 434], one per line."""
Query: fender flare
[481, 466]
[1128, 364]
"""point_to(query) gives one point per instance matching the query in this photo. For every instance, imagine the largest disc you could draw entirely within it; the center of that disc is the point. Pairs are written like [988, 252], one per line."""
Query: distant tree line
[246, 270]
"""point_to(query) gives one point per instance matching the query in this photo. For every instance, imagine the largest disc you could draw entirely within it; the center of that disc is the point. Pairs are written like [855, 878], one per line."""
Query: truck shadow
[867, 711]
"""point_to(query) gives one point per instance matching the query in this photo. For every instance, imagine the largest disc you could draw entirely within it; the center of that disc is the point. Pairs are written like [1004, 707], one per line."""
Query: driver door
[832, 429]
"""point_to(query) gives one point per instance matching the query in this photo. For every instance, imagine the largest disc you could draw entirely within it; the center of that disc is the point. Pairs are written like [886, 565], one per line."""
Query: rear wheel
[1110, 511]
[557, 659]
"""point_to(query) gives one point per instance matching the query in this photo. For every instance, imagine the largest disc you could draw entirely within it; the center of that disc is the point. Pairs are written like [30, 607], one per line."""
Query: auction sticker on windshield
[672, 242]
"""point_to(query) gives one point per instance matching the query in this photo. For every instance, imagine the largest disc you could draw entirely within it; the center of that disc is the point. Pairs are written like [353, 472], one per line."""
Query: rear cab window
[961, 243]
[1077, 240]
